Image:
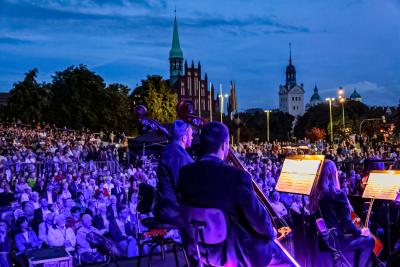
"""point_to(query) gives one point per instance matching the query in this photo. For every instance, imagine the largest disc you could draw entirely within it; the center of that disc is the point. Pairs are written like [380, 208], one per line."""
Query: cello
[185, 110]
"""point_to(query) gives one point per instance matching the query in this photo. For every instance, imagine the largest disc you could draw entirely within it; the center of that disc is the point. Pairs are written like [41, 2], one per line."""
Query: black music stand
[299, 175]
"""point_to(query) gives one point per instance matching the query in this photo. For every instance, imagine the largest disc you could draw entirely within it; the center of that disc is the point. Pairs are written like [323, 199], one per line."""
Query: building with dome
[315, 98]
[291, 95]
[355, 96]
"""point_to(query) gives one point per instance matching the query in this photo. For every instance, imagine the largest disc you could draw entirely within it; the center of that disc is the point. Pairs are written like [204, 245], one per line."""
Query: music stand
[299, 175]
[385, 185]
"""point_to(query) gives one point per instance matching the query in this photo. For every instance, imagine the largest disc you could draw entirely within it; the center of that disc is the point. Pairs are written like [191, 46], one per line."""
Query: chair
[156, 229]
[327, 243]
[204, 226]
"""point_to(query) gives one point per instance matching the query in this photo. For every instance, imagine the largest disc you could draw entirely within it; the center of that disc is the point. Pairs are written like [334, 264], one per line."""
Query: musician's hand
[365, 232]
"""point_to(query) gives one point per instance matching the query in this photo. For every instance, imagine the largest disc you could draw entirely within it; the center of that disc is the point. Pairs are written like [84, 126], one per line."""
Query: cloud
[372, 93]
[13, 41]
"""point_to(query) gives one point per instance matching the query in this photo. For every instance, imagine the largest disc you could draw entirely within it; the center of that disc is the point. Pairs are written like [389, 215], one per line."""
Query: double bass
[185, 111]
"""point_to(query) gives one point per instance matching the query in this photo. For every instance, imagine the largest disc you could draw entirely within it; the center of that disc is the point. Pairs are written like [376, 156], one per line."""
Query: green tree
[29, 99]
[254, 125]
[78, 98]
[116, 114]
[156, 95]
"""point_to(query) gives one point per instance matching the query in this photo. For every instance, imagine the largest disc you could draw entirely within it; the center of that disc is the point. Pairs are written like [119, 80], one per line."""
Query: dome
[315, 97]
[355, 95]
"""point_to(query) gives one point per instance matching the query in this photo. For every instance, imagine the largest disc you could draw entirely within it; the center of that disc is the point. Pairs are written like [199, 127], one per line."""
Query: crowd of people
[56, 186]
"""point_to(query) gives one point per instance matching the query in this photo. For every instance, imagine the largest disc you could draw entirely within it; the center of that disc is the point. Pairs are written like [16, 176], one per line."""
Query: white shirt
[57, 237]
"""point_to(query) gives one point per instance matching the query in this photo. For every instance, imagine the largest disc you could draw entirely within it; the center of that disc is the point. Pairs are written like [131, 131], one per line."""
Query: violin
[185, 110]
[378, 247]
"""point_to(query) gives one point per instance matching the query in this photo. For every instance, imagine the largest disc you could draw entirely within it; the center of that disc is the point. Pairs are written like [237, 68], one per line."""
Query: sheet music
[382, 185]
[298, 176]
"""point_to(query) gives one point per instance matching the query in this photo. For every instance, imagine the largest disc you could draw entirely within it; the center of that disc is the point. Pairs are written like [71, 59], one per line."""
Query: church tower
[175, 57]
[290, 71]
[291, 95]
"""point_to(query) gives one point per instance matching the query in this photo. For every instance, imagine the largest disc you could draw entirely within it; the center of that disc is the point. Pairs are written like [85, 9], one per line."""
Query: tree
[155, 94]
[315, 134]
[254, 125]
[29, 100]
[117, 112]
[78, 98]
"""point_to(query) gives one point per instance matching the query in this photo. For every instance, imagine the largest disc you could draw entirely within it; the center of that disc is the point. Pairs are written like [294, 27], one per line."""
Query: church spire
[290, 71]
[175, 50]
[175, 56]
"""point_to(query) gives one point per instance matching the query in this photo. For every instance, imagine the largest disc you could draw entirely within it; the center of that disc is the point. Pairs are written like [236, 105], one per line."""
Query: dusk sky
[354, 44]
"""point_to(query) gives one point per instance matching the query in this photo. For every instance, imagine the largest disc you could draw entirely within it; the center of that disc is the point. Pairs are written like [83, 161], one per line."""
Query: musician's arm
[254, 212]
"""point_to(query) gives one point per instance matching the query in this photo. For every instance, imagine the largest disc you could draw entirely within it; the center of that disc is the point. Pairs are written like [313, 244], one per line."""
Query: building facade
[187, 81]
[291, 95]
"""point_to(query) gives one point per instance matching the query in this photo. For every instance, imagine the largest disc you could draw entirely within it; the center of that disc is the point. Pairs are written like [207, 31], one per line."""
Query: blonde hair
[328, 183]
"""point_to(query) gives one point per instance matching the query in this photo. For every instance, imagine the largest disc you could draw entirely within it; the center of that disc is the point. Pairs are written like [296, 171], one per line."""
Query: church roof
[355, 95]
[175, 51]
[315, 97]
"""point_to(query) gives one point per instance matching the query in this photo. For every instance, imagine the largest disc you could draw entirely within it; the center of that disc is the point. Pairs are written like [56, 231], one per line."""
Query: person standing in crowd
[173, 157]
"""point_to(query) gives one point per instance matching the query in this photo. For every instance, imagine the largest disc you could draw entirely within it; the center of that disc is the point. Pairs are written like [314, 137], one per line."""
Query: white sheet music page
[382, 185]
[298, 176]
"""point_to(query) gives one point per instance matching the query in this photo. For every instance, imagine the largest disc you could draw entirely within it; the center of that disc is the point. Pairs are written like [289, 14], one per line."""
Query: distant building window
[182, 90]
[182, 83]
[292, 98]
[294, 108]
[203, 105]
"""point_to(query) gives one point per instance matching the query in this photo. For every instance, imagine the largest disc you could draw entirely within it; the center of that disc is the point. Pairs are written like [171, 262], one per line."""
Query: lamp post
[342, 99]
[267, 112]
[330, 115]
[221, 100]
[383, 118]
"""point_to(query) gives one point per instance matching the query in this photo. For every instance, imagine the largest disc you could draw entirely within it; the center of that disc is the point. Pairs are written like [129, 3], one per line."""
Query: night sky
[354, 44]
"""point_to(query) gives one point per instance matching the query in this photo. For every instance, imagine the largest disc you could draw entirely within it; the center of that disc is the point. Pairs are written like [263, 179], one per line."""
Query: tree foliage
[315, 134]
[29, 99]
[156, 96]
[76, 98]
[254, 125]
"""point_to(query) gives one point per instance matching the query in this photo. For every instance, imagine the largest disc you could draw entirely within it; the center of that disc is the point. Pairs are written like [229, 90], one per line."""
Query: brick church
[187, 81]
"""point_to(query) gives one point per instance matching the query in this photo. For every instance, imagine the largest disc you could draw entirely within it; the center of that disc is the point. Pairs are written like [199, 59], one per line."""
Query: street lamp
[267, 112]
[330, 114]
[221, 99]
[342, 99]
[383, 118]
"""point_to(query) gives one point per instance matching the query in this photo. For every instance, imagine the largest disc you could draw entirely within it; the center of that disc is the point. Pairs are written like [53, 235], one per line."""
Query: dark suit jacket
[110, 212]
[336, 213]
[211, 183]
[115, 232]
[173, 157]
[98, 222]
